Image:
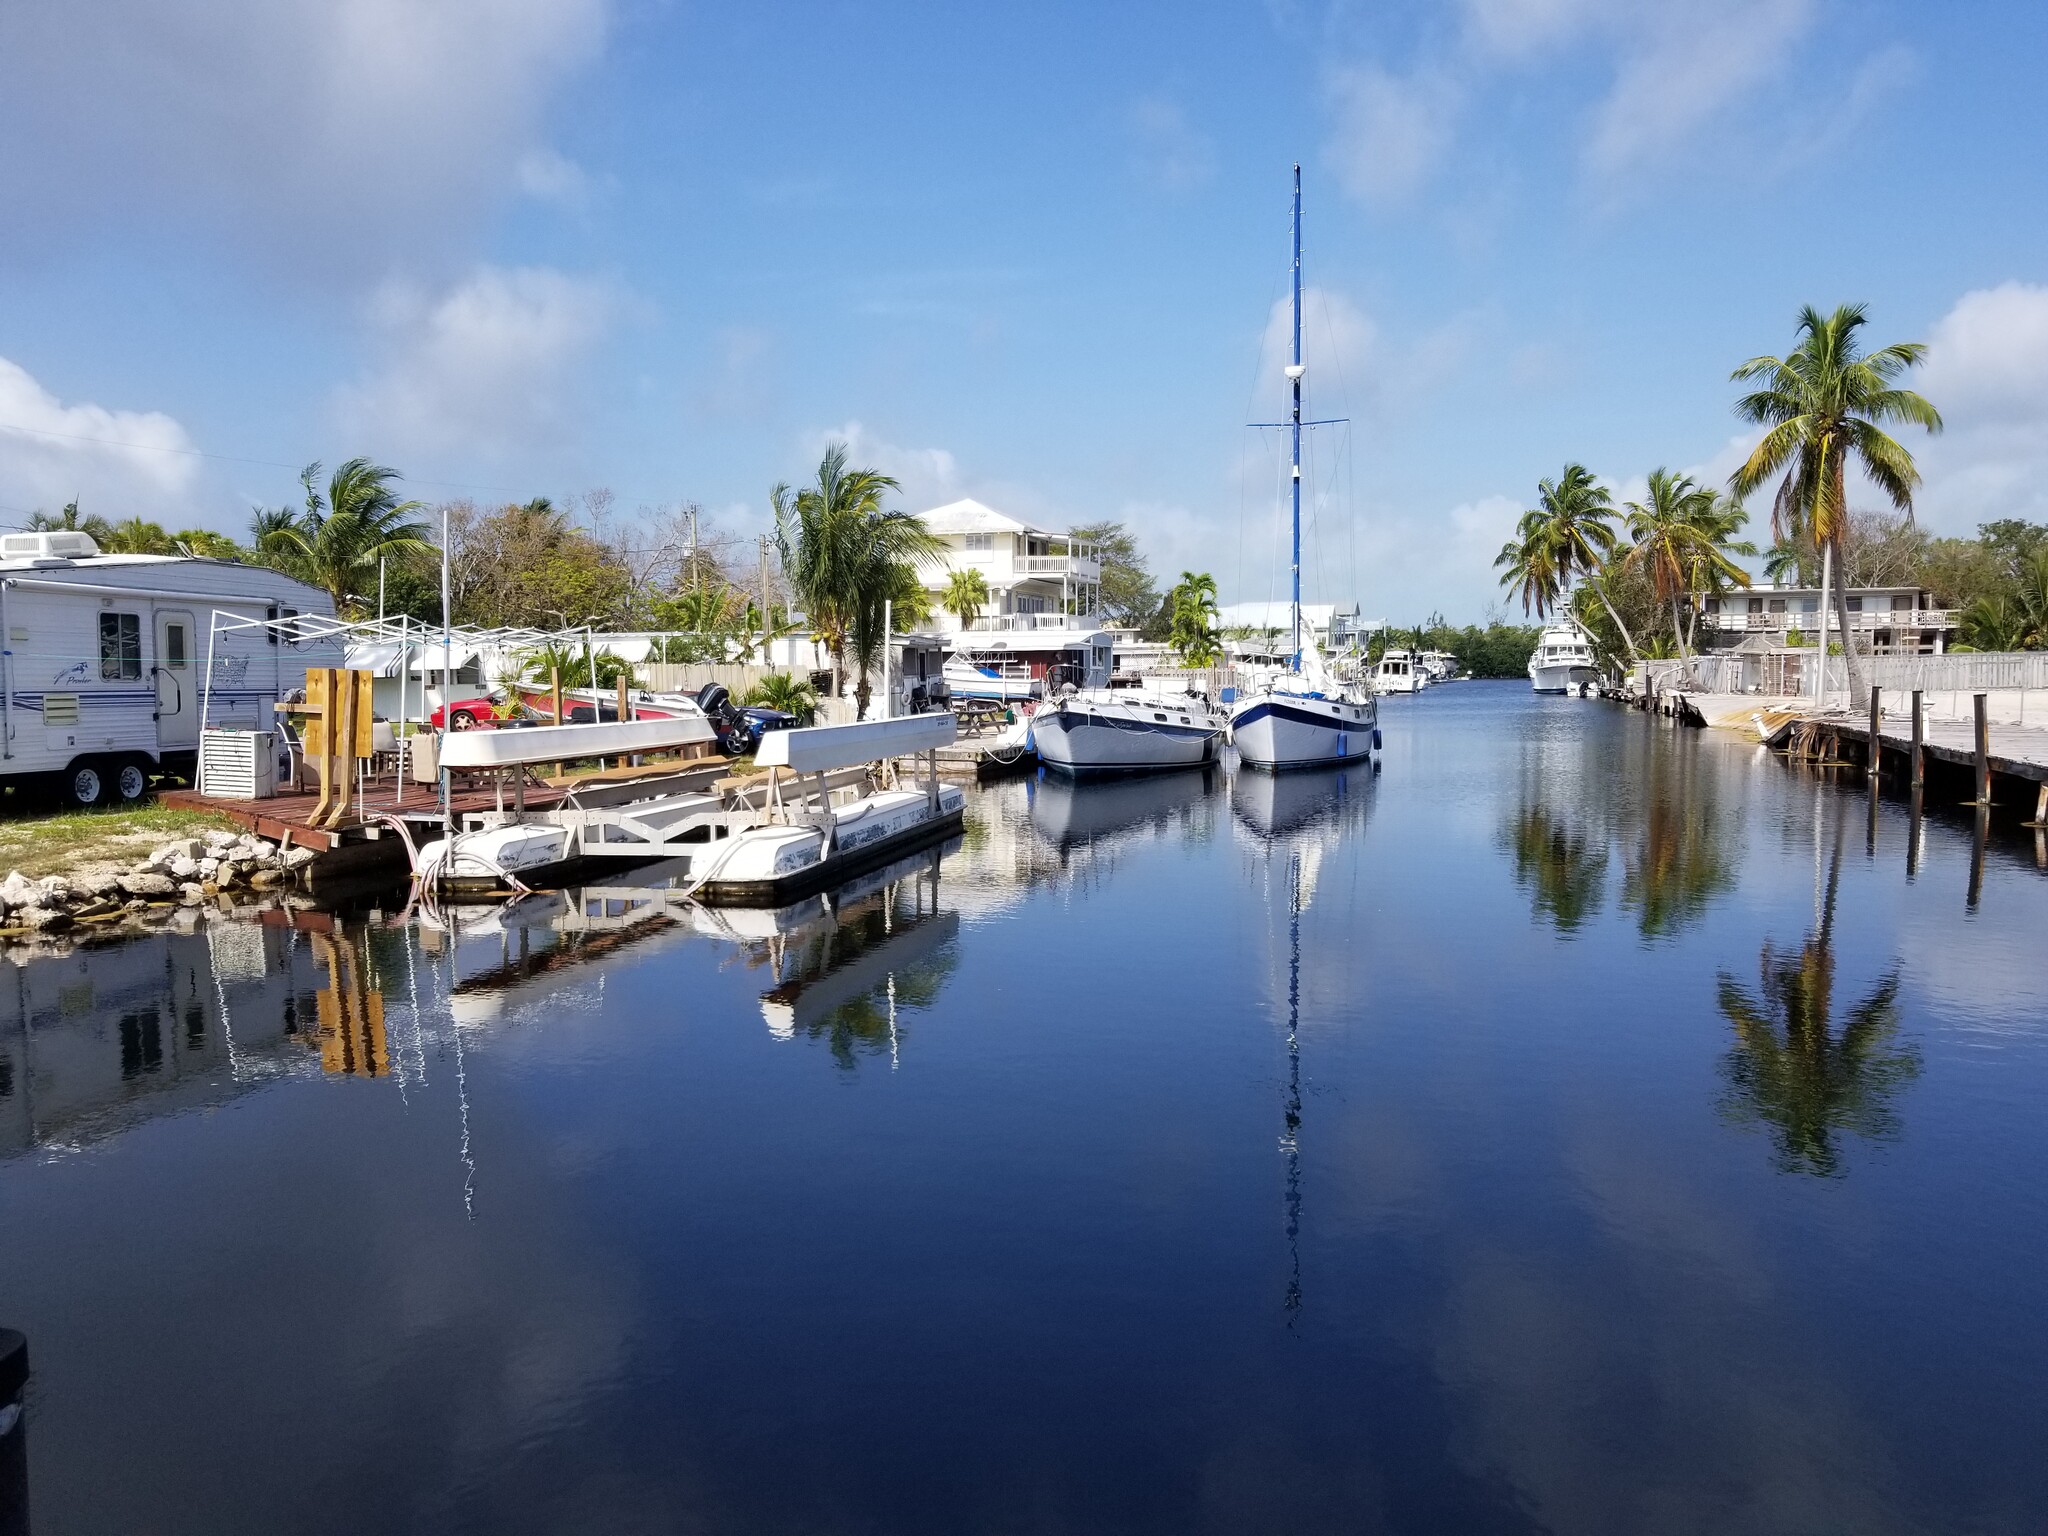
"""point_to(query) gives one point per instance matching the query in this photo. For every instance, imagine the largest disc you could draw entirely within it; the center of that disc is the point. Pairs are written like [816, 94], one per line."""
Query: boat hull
[1122, 738]
[1563, 679]
[772, 865]
[1275, 731]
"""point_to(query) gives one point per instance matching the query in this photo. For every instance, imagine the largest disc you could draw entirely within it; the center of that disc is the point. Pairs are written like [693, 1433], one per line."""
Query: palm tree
[68, 521]
[1531, 565]
[1787, 558]
[842, 552]
[1567, 534]
[336, 545]
[1713, 569]
[205, 544]
[133, 536]
[966, 591]
[1193, 636]
[1824, 405]
[778, 690]
[1673, 539]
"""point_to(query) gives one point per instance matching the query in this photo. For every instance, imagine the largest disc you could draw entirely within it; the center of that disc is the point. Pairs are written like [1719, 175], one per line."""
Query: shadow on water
[1792, 1069]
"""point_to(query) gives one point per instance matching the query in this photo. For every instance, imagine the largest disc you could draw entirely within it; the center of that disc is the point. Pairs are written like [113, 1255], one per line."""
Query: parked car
[484, 714]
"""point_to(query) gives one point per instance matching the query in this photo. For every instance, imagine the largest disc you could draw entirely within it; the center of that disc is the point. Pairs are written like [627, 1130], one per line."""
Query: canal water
[1581, 1125]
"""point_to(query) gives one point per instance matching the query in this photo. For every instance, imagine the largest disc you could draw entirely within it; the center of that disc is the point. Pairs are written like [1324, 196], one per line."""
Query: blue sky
[539, 246]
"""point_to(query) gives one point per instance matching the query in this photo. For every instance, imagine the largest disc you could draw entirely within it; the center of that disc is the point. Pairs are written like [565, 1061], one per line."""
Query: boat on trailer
[831, 805]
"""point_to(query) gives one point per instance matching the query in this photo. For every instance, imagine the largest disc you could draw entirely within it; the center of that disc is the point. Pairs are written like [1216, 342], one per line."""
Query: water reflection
[1792, 1070]
[1650, 799]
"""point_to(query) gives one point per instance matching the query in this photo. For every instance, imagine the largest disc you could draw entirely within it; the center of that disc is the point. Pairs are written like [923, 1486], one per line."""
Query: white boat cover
[822, 748]
[505, 748]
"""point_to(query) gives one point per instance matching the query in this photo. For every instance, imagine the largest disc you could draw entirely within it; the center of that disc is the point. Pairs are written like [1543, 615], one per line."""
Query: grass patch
[59, 842]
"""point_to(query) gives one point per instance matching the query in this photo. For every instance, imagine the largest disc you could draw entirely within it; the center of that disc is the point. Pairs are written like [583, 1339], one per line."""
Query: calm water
[1580, 1126]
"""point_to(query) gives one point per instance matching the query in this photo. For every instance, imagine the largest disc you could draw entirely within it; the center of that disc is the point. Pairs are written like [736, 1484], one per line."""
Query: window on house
[1030, 605]
[978, 541]
[1756, 605]
[1809, 605]
[1777, 605]
[1902, 602]
[1855, 605]
[120, 646]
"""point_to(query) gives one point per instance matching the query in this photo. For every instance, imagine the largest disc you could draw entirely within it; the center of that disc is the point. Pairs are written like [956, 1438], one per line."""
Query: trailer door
[177, 688]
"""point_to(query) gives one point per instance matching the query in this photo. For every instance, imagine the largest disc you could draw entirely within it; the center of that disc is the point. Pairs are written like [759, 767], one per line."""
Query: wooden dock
[286, 819]
[2017, 754]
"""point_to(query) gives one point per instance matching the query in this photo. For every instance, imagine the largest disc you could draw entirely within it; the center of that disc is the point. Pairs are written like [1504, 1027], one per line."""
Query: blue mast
[1294, 375]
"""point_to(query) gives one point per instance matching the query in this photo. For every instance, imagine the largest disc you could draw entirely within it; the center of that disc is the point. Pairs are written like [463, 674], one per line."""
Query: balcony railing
[1084, 566]
[1005, 622]
[1876, 618]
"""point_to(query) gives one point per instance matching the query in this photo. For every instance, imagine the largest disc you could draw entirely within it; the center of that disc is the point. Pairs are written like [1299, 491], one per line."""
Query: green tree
[1567, 535]
[134, 536]
[1128, 595]
[1194, 613]
[779, 690]
[1673, 540]
[205, 544]
[1824, 406]
[966, 592]
[844, 555]
[69, 521]
[337, 543]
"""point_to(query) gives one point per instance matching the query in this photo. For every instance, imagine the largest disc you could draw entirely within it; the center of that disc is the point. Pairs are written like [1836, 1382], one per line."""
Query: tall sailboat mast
[1294, 373]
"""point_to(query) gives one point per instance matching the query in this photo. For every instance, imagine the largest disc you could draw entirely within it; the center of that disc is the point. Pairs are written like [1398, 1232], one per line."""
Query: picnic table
[976, 715]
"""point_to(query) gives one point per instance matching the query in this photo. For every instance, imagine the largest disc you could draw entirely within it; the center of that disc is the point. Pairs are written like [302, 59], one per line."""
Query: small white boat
[1399, 672]
[970, 677]
[1563, 661]
[1440, 666]
[1126, 730]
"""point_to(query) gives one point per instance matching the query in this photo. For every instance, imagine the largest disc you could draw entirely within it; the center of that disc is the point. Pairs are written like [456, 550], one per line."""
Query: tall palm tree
[843, 551]
[1824, 406]
[1672, 535]
[1568, 534]
[337, 543]
[1713, 570]
[1193, 635]
[966, 591]
[134, 536]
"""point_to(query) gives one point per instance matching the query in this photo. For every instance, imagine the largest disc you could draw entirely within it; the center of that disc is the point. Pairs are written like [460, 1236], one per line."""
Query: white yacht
[1563, 661]
[1125, 730]
[1440, 666]
[1399, 672]
[1302, 717]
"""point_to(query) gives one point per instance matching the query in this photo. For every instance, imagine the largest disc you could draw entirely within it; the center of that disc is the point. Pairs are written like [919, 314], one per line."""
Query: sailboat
[1303, 717]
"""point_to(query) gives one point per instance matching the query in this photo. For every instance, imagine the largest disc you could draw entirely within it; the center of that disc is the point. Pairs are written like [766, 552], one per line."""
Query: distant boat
[973, 678]
[1302, 717]
[1399, 672]
[1563, 661]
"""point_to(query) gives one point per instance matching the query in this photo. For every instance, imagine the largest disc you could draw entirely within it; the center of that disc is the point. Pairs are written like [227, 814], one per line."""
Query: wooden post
[1875, 761]
[1983, 750]
[1919, 740]
[555, 682]
[2040, 808]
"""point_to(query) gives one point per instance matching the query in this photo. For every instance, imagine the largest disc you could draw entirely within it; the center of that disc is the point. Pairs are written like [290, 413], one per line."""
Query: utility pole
[696, 580]
[765, 626]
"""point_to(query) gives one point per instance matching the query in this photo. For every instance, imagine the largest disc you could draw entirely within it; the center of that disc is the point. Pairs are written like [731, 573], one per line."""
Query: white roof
[970, 516]
[1277, 615]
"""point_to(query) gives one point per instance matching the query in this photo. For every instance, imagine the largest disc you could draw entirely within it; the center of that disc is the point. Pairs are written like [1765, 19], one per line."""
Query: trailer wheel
[131, 781]
[84, 785]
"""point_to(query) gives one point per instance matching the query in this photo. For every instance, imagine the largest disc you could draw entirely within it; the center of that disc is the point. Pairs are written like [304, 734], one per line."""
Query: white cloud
[1168, 151]
[930, 477]
[481, 375]
[1340, 342]
[1688, 65]
[117, 464]
[313, 127]
[1513, 28]
[549, 177]
[1388, 133]
[1987, 373]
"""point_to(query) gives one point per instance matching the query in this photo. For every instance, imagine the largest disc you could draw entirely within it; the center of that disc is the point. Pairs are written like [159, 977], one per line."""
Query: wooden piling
[1983, 749]
[1919, 740]
[1875, 760]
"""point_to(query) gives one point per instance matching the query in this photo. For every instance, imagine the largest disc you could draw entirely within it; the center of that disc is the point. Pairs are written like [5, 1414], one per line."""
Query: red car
[469, 714]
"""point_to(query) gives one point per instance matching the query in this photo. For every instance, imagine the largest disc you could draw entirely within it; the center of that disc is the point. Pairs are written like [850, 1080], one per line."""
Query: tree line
[1640, 588]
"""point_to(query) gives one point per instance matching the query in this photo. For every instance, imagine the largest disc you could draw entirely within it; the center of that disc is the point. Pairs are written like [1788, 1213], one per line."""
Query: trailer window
[174, 647]
[120, 646]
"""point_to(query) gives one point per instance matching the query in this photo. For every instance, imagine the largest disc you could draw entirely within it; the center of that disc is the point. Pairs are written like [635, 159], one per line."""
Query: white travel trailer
[103, 670]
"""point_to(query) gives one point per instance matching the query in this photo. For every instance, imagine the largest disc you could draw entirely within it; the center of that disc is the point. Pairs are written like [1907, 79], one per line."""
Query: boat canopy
[564, 743]
[824, 748]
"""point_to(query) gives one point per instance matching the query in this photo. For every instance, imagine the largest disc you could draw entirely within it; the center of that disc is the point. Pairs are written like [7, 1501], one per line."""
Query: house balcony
[1006, 623]
[1859, 623]
[1071, 567]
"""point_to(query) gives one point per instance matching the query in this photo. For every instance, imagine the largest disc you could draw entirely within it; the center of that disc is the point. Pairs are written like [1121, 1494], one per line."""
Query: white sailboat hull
[1282, 730]
[1138, 734]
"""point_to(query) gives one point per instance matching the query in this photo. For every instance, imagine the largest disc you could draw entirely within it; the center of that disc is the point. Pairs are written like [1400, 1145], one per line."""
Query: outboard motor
[715, 699]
